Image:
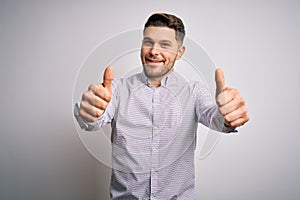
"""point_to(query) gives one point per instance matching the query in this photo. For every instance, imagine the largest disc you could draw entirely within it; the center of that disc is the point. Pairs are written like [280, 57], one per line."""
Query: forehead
[160, 33]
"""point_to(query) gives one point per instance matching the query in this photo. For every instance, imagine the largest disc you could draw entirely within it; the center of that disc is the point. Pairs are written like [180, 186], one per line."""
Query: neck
[156, 82]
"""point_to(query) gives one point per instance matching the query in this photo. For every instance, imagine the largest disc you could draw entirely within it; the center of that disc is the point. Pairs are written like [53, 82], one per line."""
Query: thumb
[220, 81]
[108, 77]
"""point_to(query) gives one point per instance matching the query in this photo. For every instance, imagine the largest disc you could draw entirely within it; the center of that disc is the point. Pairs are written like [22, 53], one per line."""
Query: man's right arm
[95, 109]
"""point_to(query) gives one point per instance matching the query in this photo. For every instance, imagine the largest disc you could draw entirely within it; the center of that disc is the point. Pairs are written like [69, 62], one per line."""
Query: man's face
[159, 51]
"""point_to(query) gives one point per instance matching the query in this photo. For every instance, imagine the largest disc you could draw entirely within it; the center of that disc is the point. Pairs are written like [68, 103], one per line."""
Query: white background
[43, 44]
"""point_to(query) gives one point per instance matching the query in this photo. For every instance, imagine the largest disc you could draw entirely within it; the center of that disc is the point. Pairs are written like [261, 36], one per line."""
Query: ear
[180, 52]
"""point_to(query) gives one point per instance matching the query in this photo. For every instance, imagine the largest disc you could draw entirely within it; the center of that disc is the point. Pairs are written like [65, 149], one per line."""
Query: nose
[154, 49]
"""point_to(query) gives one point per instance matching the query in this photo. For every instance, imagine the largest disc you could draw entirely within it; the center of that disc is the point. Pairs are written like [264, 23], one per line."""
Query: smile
[153, 62]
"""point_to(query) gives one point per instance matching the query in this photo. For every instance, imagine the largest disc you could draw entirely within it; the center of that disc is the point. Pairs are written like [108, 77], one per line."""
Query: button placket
[155, 141]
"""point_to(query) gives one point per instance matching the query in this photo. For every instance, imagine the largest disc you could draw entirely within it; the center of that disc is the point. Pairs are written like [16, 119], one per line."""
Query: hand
[231, 104]
[95, 100]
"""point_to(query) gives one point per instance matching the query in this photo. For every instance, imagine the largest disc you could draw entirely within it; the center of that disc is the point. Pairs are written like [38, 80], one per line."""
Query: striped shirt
[154, 135]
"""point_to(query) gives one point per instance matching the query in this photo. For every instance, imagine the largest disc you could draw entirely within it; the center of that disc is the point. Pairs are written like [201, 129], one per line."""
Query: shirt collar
[164, 82]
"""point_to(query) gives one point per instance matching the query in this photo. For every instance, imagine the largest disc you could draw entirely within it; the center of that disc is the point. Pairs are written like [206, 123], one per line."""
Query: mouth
[153, 62]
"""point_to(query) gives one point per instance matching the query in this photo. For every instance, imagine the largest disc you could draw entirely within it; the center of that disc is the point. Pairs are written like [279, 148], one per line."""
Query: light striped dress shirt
[154, 135]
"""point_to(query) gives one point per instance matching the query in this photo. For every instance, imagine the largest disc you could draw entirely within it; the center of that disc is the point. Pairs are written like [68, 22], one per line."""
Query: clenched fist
[231, 104]
[95, 100]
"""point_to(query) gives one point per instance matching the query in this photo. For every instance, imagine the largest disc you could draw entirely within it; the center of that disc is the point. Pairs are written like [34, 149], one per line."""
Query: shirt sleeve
[105, 118]
[207, 111]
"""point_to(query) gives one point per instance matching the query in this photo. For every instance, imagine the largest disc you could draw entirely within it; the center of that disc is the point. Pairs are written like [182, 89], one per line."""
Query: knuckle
[82, 113]
[100, 105]
[108, 94]
[101, 93]
[93, 87]
[243, 110]
[242, 123]
[103, 105]
[247, 117]
[92, 118]
[242, 101]
[232, 124]
[82, 104]
[85, 96]
[227, 118]
[218, 100]
[98, 112]
[229, 90]
[107, 97]
[222, 110]
[246, 112]
[236, 92]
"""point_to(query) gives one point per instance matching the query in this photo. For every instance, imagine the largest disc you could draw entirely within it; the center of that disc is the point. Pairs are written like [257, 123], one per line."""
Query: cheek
[143, 53]
[169, 57]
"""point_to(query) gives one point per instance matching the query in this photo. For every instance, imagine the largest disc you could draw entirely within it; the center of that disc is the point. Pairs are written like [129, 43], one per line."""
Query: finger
[108, 77]
[94, 100]
[239, 122]
[104, 94]
[226, 96]
[86, 116]
[241, 112]
[90, 109]
[100, 103]
[89, 96]
[220, 81]
[229, 107]
[100, 91]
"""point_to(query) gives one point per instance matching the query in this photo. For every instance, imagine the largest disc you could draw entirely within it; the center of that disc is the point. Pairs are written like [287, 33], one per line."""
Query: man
[154, 117]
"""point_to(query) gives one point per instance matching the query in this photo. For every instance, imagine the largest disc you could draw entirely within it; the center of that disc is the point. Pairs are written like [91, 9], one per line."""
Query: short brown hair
[167, 20]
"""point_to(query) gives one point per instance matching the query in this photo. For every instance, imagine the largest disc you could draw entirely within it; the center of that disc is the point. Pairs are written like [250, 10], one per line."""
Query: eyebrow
[165, 40]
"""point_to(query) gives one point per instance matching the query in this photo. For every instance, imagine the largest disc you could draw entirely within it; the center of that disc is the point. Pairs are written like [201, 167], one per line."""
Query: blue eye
[147, 42]
[164, 45]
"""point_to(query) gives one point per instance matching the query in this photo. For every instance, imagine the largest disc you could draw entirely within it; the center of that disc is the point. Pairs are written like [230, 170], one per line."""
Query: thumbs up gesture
[231, 104]
[95, 100]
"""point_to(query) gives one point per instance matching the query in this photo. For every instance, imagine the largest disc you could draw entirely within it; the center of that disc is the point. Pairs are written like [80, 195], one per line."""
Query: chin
[150, 73]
